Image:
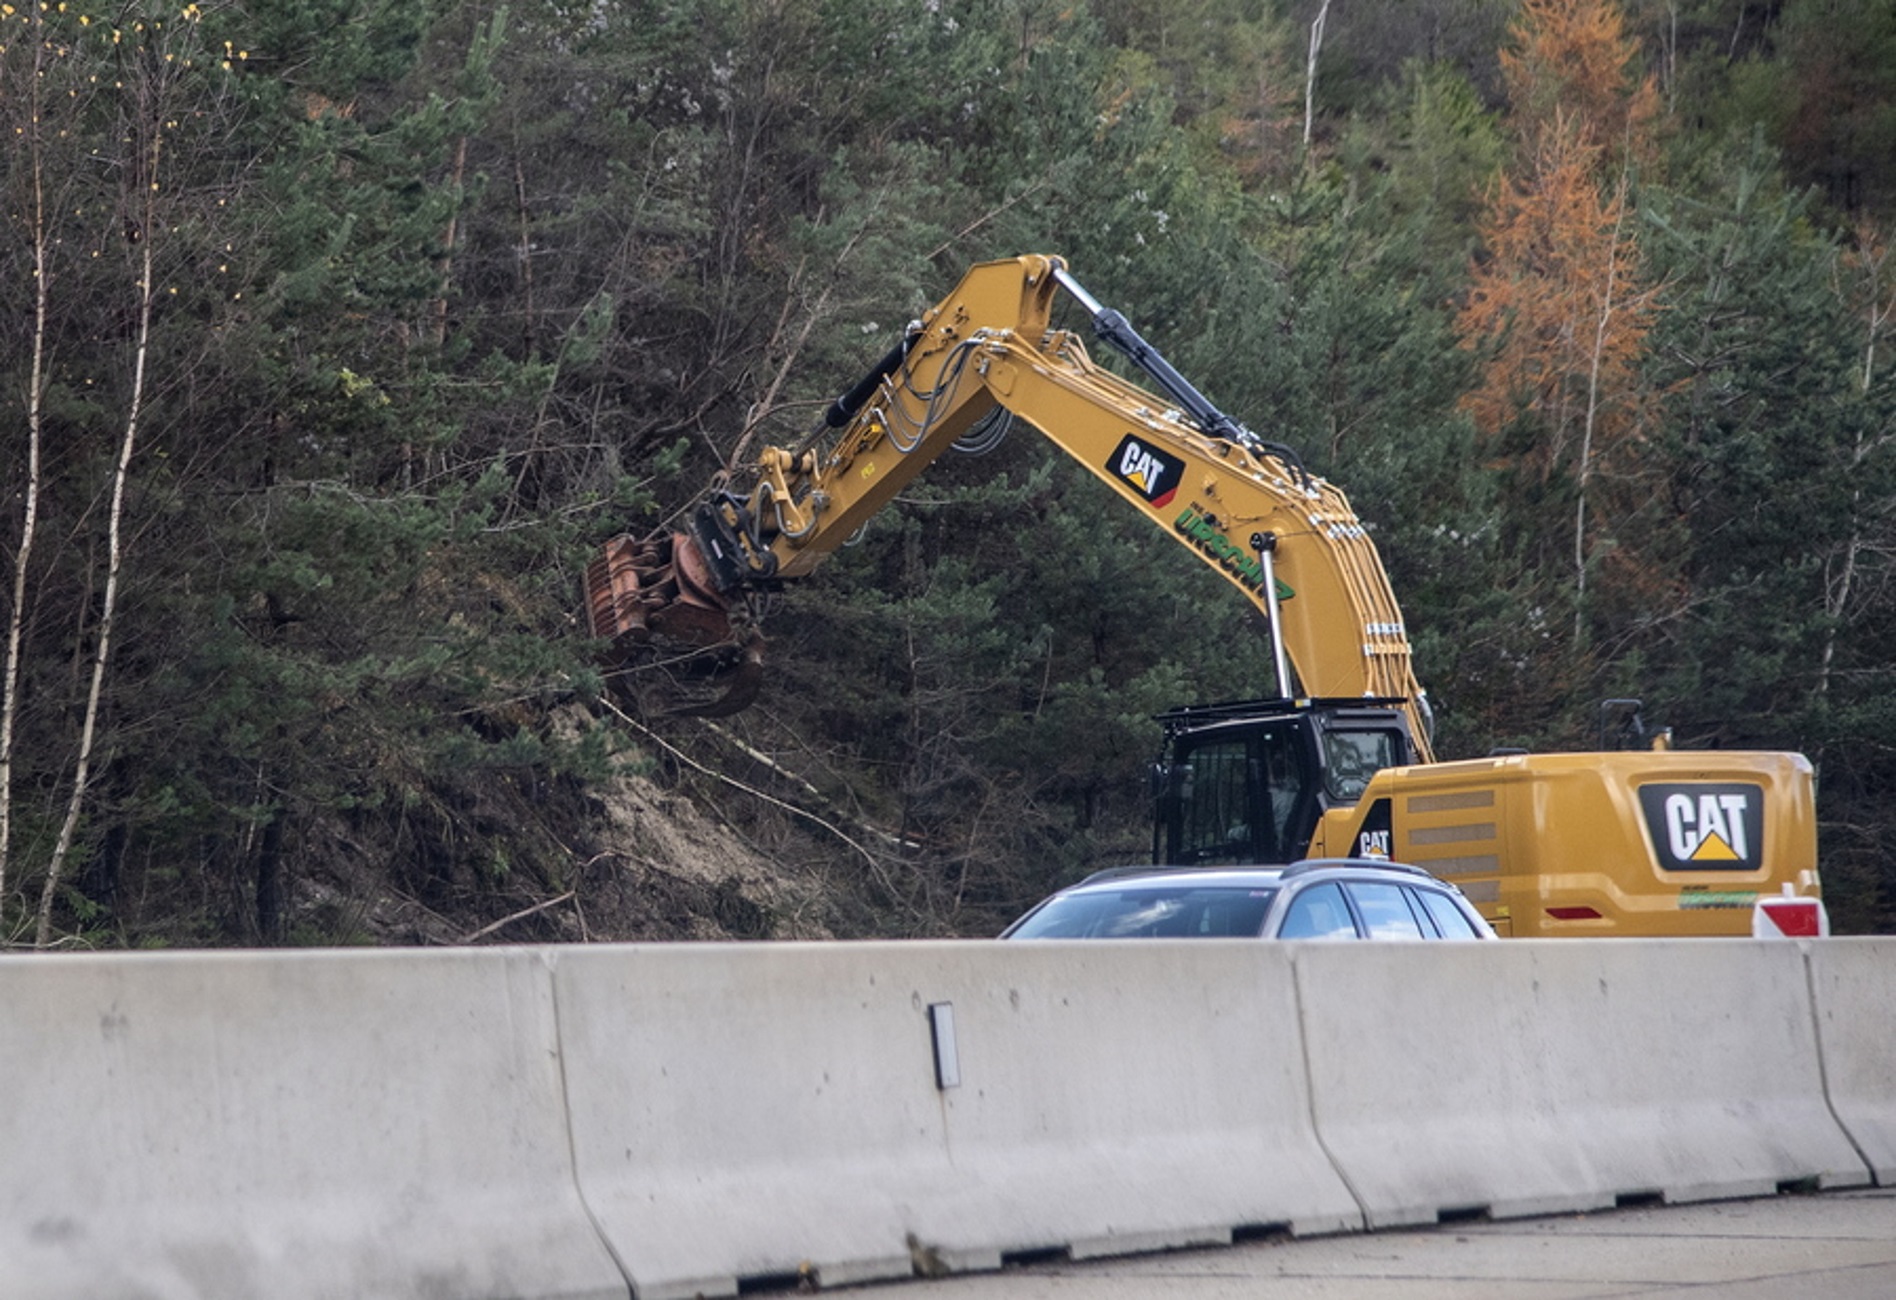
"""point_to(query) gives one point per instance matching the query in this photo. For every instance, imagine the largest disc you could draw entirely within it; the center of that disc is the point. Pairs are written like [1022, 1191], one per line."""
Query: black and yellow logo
[1152, 473]
[1704, 826]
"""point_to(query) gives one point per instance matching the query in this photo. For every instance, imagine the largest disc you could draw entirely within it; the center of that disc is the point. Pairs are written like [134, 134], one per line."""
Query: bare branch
[521, 915]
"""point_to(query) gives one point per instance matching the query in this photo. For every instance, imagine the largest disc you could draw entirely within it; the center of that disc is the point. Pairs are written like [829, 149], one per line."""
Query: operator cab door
[1250, 796]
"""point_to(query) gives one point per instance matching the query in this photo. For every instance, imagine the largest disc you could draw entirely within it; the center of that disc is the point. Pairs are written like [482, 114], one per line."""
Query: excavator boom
[1243, 505]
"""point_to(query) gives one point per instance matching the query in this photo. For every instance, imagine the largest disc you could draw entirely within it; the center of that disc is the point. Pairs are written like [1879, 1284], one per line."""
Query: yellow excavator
[1650, 841]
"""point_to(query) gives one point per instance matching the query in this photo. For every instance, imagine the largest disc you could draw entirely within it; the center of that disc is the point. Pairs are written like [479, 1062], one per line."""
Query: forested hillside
[337, 334]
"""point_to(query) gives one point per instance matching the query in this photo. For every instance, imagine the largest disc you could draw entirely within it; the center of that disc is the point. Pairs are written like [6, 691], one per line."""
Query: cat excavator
[1339, 762]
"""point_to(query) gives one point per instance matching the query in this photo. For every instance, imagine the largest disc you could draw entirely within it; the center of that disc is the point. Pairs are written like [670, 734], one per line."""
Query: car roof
[1210, 876]
[1251, 876]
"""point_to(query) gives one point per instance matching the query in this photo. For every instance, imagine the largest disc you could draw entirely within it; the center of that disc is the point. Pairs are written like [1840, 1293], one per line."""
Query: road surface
[1834, 1245]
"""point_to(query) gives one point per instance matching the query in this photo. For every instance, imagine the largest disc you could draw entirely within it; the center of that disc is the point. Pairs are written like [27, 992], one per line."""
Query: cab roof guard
[1239, 710]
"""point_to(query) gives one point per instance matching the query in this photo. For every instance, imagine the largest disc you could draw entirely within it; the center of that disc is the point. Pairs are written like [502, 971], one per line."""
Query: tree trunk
[36, 383]
[115, 555]
[1310, 71]
[270, 879]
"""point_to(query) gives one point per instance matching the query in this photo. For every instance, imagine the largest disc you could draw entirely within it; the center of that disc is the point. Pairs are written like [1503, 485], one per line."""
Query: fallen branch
[521, 915]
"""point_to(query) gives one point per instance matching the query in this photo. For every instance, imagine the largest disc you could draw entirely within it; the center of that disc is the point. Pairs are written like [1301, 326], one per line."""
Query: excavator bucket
[654, 601]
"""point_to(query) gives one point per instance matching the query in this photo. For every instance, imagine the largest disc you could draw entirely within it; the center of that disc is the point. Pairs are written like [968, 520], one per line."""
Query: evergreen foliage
[394, 311]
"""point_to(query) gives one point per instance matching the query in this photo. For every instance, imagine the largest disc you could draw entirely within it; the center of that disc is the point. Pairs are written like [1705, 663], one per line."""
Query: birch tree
[108, 107]
[149, 86]
[24, 56]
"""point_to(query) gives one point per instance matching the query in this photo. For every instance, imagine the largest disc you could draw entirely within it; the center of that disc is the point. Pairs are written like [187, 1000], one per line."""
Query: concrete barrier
[755, 1112]
[1540, 1076]
[682, 1119]
[229, 1126]
[1853, 982]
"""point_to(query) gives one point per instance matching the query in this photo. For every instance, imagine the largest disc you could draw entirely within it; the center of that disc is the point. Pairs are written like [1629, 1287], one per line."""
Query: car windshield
[1151, 912]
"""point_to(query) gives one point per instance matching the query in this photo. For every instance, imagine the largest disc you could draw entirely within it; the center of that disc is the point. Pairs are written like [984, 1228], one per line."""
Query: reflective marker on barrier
[1789, 917]
[941, 1021]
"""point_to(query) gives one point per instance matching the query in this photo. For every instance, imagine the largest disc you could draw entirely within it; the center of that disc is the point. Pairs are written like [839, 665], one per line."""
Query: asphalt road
[1834, 1245]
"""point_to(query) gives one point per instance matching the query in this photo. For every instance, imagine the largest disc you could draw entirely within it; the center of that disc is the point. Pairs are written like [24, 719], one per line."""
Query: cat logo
[1376, 836]
[1704, 826]
[1148, 471]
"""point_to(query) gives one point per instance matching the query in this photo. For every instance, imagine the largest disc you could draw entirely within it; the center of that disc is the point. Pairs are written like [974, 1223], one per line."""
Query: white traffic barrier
[229, 1126]
[872, 1110]
[577, 1123]
[1854, 984]
[1533, 1077]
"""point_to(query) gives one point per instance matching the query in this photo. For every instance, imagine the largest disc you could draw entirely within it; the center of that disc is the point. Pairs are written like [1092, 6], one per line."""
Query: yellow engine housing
[1637, 843]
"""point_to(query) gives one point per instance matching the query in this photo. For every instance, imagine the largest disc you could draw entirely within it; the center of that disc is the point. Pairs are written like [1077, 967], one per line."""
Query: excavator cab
[1248, 782]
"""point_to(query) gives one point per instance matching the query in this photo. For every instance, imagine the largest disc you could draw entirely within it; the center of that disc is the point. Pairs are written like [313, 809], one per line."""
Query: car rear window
[1318, 912]
[1449, 919]
[1385, 910]
[1151, 913]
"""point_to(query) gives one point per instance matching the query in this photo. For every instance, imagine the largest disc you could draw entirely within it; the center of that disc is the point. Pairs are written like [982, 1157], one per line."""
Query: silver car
[1319, 898]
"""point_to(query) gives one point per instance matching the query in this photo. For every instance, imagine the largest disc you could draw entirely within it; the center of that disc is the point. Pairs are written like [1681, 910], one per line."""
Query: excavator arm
[1286, 539]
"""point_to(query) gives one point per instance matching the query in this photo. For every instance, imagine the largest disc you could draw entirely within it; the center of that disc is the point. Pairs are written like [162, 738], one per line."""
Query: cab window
[1286, 777]
[1215, 820]
[1350, 758]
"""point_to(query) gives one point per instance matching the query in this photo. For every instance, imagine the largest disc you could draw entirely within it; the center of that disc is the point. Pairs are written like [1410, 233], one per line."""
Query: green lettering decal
[1701, 899]
[1224, 552]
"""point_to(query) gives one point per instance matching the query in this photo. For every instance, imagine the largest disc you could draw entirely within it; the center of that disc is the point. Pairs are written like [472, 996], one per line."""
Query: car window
[1449, 919]
[1385, 910]
[1164, 913]
[1318, 912]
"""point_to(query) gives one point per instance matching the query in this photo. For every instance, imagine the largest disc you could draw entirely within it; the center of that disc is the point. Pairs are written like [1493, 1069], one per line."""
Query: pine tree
[1778, 491]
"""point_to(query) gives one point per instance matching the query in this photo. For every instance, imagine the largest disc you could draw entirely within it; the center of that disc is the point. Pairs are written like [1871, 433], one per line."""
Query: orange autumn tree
[1557, 306]
[1572, 61]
